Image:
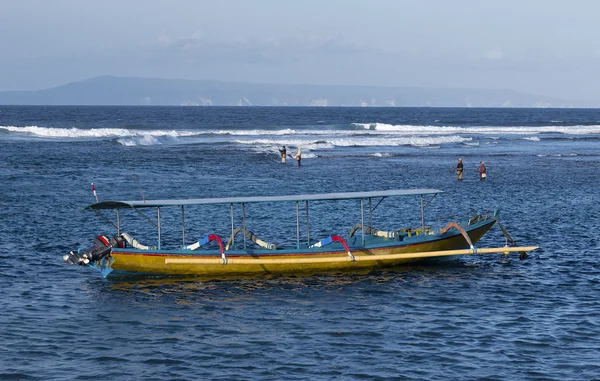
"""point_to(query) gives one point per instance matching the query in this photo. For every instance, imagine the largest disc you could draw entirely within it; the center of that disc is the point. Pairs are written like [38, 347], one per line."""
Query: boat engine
[101, 248]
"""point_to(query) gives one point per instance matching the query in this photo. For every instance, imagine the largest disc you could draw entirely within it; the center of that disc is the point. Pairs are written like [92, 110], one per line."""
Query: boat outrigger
[364, 248]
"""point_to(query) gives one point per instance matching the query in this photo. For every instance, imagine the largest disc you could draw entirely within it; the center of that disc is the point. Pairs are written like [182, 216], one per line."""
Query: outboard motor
[101, 248]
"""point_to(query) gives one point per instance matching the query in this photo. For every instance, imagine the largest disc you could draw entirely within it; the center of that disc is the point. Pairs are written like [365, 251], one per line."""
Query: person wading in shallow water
[299, 156]
[459, 169]
[283, 152]
[482, 171]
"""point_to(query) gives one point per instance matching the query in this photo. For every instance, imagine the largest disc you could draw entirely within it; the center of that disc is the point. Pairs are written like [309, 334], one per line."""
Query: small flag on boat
[94, 190]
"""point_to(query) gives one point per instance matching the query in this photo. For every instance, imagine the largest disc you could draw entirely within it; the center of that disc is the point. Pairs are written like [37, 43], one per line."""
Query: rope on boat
[359, 258]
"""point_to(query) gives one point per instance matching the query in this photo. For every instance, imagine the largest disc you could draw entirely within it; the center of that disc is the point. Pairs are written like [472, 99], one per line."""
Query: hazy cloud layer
[545, 47]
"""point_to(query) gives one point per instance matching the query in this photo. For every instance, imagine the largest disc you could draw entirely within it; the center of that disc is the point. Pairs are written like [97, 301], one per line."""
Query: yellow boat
[363, 248]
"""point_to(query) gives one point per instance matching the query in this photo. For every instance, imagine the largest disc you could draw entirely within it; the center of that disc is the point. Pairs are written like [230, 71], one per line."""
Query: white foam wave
[417, 141]
[146, 140]
[74, 133]
[532, 138]
[376, 130]
[274, 149]
[379, 154]
[488, 130]
[287, 131]
[557, 155]
[274, 144]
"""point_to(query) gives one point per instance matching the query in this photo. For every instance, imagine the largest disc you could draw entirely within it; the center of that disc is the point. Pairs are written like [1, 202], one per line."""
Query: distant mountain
[109, 90]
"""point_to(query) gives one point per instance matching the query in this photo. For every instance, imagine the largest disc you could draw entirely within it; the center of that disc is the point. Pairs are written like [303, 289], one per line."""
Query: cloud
[164, 39]
[253, 50]
[495, 54]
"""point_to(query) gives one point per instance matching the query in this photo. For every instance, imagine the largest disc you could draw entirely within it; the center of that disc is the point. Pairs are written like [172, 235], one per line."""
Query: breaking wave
[557, 155]
[488, 130]
[146, 140]
[75, 133]
[416, 141]
[354, 129]
[379, 154]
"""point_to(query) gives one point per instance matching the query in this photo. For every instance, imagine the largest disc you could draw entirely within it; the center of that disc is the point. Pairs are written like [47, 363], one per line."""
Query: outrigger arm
[510, 239]
[346, 258]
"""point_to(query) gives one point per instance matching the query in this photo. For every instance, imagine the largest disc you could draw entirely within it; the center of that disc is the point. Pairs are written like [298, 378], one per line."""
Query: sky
[541, 47]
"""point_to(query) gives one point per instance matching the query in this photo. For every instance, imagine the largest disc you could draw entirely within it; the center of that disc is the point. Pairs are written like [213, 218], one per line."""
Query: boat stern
[97, 256]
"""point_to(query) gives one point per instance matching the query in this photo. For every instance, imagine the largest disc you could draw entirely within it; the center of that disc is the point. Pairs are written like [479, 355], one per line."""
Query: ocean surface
[479, 318]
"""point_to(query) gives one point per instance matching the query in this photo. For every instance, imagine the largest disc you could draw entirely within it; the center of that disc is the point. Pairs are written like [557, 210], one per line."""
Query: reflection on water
[163, 284]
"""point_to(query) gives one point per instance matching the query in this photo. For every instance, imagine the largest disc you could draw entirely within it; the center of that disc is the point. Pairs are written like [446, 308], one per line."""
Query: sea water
[481, 317]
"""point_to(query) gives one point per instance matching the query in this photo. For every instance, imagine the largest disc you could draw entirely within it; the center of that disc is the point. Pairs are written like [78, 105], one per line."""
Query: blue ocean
[484, 317]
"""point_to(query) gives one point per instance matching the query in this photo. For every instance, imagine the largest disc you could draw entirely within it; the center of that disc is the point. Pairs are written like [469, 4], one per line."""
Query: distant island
[133, 91]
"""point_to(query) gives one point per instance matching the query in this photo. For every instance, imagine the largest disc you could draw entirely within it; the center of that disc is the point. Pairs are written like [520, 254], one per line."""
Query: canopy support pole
[244, 222]
[422, 216]
[371, 213]
[297, 226]
[118, 223]
[232, 228]
[182, 227]
[307, 225]
[362, 220]
[158, 209]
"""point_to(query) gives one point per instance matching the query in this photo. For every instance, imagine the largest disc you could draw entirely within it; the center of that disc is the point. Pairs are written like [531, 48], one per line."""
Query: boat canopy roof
[245, 200]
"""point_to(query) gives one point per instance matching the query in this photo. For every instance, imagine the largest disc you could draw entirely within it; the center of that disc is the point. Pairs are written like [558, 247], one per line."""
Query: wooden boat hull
[291, 261]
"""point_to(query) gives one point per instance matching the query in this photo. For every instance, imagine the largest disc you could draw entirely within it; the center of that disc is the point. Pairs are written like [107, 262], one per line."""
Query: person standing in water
[283, 152]
[299, 156]
[459, 169]
[482, 171]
